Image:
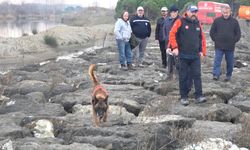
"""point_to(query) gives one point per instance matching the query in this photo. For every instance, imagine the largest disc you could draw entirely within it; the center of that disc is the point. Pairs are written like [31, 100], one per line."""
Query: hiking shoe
[216, 78]
[123, 67]
[184, 101]
[141, 65]
[130, 67]
[227, 79]
[201, 99]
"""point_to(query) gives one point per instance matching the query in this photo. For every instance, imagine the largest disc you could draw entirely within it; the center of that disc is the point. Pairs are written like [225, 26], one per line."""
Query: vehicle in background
[208, 11]
[244, 12]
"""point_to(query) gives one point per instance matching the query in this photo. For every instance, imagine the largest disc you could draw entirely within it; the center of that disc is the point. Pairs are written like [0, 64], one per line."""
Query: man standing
[188, 41]
[159, 35]
[225, 32]
[142, 29]
[171, 60]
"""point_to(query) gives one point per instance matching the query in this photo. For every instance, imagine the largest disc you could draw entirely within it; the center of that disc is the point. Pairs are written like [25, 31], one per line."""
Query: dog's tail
[92, 75]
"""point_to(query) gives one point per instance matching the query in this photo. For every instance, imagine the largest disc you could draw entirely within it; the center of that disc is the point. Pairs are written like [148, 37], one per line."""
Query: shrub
[34, 31]
[25, 34]
[50, 40]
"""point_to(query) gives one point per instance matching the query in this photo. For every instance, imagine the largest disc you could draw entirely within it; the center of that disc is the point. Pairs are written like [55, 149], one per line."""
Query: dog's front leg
[96, 120]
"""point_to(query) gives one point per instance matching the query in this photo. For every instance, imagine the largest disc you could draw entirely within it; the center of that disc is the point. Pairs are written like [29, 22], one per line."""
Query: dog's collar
[99, 87]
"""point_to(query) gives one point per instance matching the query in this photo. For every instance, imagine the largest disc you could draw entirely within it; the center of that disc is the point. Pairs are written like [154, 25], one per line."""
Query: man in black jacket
[141, 28]
[159, 35]
[225, 32]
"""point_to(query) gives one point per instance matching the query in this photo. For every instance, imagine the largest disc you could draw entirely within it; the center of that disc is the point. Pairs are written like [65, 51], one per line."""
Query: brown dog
[99, 99]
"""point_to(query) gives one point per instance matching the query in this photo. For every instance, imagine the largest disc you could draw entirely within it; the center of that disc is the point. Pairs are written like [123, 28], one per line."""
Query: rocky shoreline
[47, 105]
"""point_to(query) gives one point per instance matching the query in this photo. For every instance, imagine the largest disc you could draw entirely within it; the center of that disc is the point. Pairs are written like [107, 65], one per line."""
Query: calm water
[18, 28]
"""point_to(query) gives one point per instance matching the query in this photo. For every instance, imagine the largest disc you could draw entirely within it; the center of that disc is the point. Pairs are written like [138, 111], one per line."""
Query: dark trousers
[173, 63]
[190, 70]
[162, 45]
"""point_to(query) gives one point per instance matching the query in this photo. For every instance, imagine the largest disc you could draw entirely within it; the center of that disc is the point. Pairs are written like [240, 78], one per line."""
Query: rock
[75, 146]
[224, 113]
[43, 129]
[240, 64]
[175, 120]
[116, 115]
[244, 106]
[9, 126]
[165, 88]
[28, 86]
[61, 88]
[124, 137]
[36, 97]
[6, 145]
[32, 107]
[213, 143]
[214, 129]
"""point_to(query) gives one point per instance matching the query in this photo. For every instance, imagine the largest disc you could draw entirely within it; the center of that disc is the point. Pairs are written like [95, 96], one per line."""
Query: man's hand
[202, 57]
[176, 52]
[169, 51]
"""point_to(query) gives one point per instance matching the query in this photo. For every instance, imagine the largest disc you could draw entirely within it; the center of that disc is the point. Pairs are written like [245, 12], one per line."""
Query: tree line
[152, 7]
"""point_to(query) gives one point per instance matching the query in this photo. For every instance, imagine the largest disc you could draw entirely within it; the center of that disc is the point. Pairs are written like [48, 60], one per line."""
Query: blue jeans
[138, 52]
[229, 56]
[190, 70]
[125, 54]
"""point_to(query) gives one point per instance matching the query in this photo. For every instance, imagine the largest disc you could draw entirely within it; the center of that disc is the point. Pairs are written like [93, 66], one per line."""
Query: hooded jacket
[122, 30]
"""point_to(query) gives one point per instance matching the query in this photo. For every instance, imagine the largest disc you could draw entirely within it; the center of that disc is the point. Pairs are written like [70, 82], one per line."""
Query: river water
[19, 28]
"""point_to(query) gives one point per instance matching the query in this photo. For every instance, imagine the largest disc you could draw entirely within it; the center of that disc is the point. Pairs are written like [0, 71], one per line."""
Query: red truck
[208, 11]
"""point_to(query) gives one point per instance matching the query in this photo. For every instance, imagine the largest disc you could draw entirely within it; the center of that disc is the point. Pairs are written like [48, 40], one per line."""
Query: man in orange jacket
[188, 41]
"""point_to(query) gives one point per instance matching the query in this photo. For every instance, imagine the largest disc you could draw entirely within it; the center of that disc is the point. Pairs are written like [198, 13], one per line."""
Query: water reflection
[19, 28]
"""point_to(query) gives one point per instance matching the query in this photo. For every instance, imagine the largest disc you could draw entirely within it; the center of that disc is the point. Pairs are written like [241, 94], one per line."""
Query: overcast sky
[84, 3]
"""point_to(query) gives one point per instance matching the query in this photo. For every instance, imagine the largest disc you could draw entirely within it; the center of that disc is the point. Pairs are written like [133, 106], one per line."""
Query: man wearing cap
[168, 23]
[159, 35]
[141, 28]
[225, 32]
[187, 40]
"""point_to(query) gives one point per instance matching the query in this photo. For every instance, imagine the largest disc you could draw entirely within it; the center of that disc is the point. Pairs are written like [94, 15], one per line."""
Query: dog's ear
[106, 100]
[94, 100]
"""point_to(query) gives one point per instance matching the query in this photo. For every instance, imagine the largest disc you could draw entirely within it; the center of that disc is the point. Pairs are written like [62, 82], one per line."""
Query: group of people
[140, 26]
[182, 44]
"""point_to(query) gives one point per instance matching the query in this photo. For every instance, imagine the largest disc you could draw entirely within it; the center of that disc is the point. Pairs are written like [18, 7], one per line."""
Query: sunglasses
[140, 10]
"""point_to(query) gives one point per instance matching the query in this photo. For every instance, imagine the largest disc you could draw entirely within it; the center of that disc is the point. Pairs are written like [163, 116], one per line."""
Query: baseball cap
[140, 8]
[173, 8]
[192, 8]
[164, 9]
